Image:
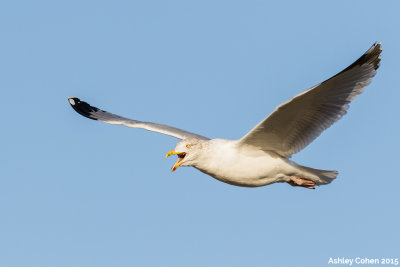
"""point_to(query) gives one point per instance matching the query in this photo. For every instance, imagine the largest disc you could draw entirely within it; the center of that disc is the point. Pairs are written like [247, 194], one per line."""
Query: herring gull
[262, 156]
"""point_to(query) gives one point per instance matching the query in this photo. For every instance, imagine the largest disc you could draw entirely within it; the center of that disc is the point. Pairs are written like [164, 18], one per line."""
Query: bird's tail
[325, 176]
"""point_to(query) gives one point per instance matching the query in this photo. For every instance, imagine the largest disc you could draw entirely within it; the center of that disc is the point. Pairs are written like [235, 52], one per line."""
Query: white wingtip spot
[71, 101]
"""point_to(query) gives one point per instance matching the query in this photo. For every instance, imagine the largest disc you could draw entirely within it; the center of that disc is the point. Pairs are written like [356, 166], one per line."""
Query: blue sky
[75, 192]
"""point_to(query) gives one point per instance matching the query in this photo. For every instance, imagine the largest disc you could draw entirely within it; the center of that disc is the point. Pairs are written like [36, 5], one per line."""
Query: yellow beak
[172, 152]
[178, 162]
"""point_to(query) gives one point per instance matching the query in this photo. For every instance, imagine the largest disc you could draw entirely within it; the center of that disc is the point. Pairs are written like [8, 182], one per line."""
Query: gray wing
[296, 123]
[94, 113]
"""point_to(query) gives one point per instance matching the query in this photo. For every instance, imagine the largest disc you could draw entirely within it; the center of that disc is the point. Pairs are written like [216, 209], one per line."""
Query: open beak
[181, 156]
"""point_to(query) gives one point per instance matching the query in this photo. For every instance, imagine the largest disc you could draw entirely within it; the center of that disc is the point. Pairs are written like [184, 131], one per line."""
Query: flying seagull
[262, 156]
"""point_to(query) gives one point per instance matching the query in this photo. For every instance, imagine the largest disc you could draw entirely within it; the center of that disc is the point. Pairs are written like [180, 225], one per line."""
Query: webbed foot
[297, 181]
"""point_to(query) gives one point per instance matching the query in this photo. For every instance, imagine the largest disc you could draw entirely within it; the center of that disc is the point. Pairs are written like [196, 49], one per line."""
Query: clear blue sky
[79, 193]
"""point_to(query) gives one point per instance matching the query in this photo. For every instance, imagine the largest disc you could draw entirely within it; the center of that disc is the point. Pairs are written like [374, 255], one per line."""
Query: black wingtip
[371, 57]
[82, 107]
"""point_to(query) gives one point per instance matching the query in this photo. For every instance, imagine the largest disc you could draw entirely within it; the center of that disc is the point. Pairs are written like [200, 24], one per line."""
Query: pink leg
[297, 181]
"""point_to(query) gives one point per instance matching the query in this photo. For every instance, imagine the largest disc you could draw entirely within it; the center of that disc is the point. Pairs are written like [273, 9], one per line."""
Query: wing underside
[296, 123]
[94, 113]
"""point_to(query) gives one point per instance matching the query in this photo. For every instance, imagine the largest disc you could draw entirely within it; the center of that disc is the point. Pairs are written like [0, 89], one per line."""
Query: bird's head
[187, 150]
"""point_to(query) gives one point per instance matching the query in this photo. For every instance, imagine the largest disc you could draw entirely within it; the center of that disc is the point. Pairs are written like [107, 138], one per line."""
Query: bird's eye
[189, 146]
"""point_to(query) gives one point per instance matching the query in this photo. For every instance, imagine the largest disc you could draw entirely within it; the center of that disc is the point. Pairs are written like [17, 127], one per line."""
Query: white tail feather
[325, 176]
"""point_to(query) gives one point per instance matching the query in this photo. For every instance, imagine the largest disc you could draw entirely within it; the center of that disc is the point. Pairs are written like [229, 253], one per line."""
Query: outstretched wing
[296, 123]
[94, 113]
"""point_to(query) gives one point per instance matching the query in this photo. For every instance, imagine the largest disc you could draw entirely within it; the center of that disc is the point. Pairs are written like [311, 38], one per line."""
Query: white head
[188, 150]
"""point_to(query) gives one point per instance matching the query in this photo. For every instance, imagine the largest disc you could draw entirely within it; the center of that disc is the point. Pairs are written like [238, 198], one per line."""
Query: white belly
[245, 167]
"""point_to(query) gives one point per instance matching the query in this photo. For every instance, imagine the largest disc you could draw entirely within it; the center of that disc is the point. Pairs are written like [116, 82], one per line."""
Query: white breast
[247, 166]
